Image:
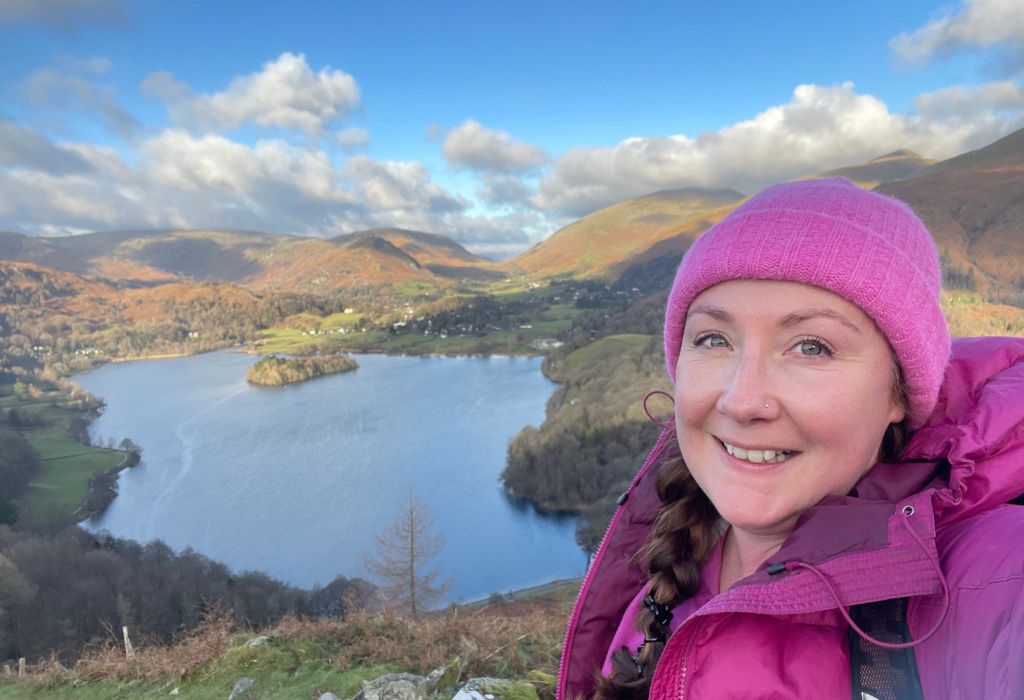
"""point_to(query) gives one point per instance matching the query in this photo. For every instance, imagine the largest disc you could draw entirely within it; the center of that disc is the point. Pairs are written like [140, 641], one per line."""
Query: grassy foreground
[518, 639]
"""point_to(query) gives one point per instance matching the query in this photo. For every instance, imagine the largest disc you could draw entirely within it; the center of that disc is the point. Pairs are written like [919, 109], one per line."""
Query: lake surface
[295, 481]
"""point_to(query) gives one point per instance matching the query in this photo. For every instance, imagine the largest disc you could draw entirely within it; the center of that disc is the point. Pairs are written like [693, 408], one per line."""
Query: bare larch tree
[404, 551]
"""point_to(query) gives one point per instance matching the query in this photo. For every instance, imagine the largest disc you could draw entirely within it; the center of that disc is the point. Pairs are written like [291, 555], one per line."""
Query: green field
[291, 341]
[612, 345]
[65, 465]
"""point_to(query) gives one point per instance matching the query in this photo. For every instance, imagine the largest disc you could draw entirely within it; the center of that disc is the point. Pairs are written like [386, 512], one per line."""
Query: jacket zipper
[577, 608]
[683, 665]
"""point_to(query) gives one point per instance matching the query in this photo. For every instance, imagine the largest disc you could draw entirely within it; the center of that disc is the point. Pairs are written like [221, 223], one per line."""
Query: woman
[828, 516]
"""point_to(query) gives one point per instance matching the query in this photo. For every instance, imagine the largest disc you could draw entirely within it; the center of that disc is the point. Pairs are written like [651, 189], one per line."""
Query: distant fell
[892, 166]
[974, 206]
[261, 261]
[440, 255]
[608, 242]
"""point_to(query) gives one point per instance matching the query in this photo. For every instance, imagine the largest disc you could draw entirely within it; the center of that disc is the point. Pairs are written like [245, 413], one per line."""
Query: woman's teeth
[758, 456]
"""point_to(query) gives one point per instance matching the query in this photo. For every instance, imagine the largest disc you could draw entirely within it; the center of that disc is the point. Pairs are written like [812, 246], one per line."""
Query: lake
[295, 481]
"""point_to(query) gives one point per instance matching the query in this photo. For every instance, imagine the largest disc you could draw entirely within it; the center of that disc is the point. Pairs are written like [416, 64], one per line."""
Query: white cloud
[181, 180]
[505, 190]
[397, 186]
[474, 146]
[285, 94]
[353, 138]
[975, 24]
[818, 129]
[972, 104]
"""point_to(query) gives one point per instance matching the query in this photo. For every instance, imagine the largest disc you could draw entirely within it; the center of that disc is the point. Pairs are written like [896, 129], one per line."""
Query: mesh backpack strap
[878, 673]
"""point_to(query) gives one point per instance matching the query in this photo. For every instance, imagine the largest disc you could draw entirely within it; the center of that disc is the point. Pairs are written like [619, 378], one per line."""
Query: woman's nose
[746, 395]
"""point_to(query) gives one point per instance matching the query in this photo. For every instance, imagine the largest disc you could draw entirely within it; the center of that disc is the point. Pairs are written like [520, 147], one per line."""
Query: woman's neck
[743, 553]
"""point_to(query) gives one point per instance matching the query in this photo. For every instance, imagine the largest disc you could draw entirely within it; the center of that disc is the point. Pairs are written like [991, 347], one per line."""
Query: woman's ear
[896, 413]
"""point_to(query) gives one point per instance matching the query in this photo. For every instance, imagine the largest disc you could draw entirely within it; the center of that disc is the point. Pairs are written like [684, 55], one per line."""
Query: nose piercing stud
[766, 404]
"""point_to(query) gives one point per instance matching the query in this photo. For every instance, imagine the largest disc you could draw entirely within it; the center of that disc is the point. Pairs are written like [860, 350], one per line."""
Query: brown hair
[684, 533]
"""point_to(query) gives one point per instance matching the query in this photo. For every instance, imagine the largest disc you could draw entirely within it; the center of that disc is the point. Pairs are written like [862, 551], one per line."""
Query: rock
[329, 696]
[496, 689]
[175, 691]
[394, 686]
[256, 641]
[243, 684]
[446, 676]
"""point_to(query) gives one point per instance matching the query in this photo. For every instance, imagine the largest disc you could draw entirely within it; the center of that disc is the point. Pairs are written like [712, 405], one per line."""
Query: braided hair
[683, 536]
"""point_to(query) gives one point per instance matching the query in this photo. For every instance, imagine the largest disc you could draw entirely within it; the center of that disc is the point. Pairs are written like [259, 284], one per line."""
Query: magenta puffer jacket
[936, 529]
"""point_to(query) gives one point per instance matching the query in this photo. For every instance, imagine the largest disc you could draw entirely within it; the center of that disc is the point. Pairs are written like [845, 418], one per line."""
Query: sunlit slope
[974, 206]
[605, 243]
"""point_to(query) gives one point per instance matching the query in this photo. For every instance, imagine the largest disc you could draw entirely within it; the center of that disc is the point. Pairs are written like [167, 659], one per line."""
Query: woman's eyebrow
[798, 317]
[715, 312]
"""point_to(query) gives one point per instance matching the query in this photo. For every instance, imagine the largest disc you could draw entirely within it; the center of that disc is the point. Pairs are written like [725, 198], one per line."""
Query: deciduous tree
[403, 558]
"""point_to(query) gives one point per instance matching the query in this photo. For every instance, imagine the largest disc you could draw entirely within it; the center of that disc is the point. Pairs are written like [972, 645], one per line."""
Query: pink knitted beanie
[867, 248]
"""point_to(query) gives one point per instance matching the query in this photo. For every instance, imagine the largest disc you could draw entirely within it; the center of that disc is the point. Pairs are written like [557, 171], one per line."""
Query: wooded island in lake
[275, 371]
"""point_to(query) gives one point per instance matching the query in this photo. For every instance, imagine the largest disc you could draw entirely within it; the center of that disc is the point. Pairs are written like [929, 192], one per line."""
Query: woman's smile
[757, 455]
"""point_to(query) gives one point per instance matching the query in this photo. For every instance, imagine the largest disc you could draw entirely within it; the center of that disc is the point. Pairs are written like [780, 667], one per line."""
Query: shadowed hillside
[279, 263]
[974, 206]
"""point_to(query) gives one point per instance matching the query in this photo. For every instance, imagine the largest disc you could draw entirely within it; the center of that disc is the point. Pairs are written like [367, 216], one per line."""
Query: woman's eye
[812, 348]
[712, 341]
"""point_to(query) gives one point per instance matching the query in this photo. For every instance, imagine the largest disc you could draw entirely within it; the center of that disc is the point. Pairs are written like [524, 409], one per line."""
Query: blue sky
[491, 122]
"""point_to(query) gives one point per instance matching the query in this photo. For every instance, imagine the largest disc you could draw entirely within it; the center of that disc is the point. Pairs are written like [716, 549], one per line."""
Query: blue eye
[811, 347]
[711, 340]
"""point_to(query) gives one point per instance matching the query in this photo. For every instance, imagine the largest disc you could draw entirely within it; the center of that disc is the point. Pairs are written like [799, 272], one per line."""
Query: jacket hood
[976, 432]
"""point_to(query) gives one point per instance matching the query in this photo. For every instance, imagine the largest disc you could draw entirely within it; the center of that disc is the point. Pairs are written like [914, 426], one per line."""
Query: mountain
[439, 254]
[612, 240]
[136, 258]
[972, 203]
[892, 166]
[974, 206]
[261, 261]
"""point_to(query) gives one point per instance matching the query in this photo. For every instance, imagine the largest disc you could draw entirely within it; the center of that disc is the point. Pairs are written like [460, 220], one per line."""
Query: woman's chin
[760, 521]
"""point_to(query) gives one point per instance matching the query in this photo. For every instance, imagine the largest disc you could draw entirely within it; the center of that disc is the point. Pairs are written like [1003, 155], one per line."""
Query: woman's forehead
[789, 302]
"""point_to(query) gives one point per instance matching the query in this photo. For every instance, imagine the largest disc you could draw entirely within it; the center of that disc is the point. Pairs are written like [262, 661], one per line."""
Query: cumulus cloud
[500, 190]
[63, 15]
[285, 93]
[353, 138]
[975, 24]
[474, 146]
[397, 186]
[26, 149]
[50, 89]
[182, 180]
[975, 105]
[820, 128]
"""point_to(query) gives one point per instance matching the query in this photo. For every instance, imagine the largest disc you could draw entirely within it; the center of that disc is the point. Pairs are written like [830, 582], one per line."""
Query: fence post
[7, 669]
[128, 651]
[21, 667]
